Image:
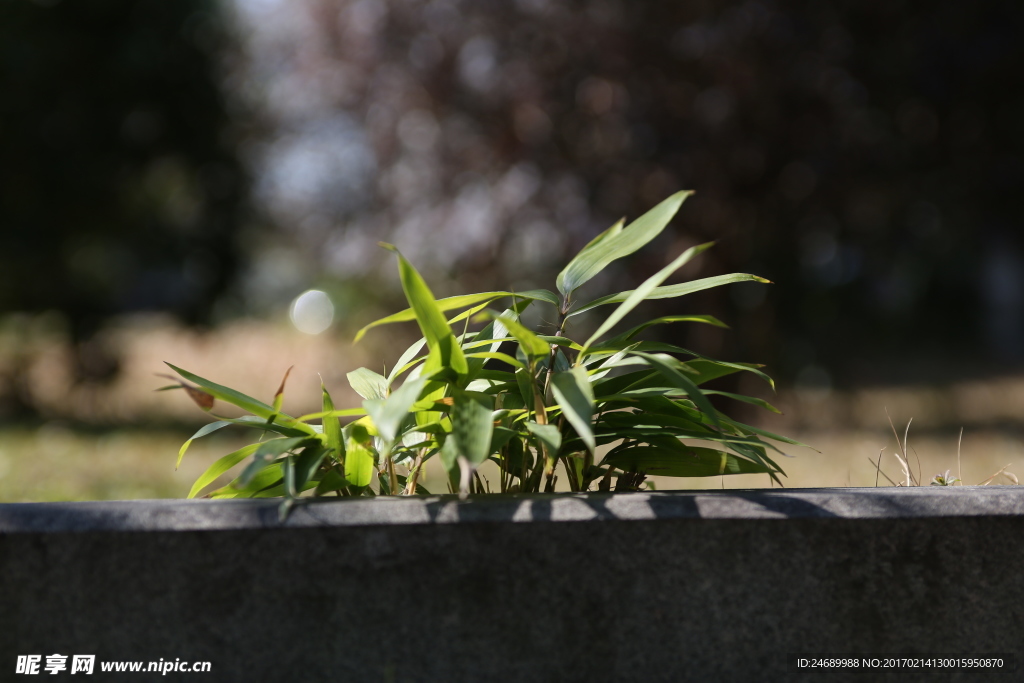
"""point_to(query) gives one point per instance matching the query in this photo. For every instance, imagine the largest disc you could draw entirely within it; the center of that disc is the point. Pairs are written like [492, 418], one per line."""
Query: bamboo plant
[601, 411]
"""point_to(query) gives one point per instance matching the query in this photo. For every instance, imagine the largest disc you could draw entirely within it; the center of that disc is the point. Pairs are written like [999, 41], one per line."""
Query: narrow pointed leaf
[242, 401]
[267, 452]
[641, 292]
[548, 434]
[503, 357]
[333, 480]
[666, 366]
[203, 431]
[532, 345]
[447, 304]
[407, 357]
[472, 428]
[461, 301]
[443, 348]
[221, 466]
[388, 414]
[348, 412]
[672, 291]
[359, 464]
[616, 244]
[263, 480]
[368, 383]
[574, 394]
[746, 399]
[307, 464]
[332, 427]
[707, 319]
[684, 461]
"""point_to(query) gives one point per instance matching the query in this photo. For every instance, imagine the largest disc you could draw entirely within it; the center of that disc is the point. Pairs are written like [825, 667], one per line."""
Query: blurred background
[205, 181]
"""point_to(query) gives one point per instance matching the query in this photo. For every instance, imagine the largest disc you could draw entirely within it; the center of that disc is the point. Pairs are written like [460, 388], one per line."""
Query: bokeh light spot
[312, 312]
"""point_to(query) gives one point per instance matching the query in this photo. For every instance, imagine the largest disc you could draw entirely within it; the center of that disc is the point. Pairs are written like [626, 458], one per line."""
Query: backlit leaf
[672, 291]
[614, 244]
[221, 466]
[368, 383]
[574, 394]
[641, 292]
[683, 461]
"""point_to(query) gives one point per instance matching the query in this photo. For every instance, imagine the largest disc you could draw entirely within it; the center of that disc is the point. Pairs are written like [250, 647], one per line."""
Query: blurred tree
[120, 186]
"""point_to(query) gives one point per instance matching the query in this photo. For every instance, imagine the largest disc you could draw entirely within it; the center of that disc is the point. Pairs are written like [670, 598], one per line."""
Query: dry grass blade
[878, 470]
[1000, 471]
[904, 461]
[959, 472]
[918, 457]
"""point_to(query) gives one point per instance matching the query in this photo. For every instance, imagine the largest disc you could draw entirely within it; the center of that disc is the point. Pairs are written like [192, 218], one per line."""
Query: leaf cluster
[609, 410]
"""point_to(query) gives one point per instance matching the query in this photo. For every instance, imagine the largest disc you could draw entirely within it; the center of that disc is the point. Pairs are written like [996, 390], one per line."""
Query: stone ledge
[200, 515]
[684, 586]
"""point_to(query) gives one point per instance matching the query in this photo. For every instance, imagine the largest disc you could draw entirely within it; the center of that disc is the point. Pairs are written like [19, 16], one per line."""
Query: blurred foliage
[61, 461]
[866, 156]
[121, 187]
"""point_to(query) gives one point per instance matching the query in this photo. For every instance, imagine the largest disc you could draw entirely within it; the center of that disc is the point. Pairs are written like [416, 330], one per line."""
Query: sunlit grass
[55, 463]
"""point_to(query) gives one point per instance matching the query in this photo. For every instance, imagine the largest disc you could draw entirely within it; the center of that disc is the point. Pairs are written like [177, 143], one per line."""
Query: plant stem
[414, 475]
[554, 347]
[392, 477]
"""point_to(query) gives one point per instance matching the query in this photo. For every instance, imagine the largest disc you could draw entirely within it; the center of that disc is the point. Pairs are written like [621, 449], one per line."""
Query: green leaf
[359, 464]
[702, 369]
[765, 433]
[267, 452]
[461, 301]
[574, 394]
[641, 292]
[443, 305]
[672, 291]
[503, 357]
[548, 434]
[445, 352]
[333, 480]
[746, 399]
[368, 383]
[683, 461]
[501, 436]
[666, 365]
[524, 380]
[532, 345]
[388, 414]
[472, 427]
[450, 456]
[242, 401]
[405, 360]
[707, 370]
[544, 295]
[519, 459]
[220, 467]
[560, 341]
[707, 319]
[227, 394]
[307, 464]
[615, 243]
[332, 426]
[265, 479]
[203, 431]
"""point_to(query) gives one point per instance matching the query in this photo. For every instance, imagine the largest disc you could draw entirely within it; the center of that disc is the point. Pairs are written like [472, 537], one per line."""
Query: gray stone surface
[689, 586]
